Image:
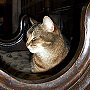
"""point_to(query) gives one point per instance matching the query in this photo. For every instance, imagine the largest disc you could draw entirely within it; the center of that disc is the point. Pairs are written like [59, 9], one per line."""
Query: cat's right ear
[33, 21]
[48, 23]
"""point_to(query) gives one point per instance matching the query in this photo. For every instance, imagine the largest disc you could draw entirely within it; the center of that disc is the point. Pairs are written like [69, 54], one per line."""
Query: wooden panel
[2, 1]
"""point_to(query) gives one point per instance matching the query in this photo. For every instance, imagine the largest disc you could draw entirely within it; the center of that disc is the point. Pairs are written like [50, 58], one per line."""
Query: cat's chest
[45, 56]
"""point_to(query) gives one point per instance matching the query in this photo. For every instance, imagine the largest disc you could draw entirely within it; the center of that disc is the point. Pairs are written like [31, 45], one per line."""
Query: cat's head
[41, 36]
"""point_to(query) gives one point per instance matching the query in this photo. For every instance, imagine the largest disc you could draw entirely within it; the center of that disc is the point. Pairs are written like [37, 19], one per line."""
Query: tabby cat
[47, 44]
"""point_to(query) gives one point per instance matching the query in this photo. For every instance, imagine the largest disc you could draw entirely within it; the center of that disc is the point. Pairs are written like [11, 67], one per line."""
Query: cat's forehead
[33, 28]
[39, 27]
[37, 30]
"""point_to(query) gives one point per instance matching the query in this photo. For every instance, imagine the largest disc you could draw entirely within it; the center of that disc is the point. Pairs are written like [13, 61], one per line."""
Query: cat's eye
[34, 39]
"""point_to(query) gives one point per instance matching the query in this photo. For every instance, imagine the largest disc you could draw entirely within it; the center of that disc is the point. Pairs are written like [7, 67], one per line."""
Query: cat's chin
[32, 50]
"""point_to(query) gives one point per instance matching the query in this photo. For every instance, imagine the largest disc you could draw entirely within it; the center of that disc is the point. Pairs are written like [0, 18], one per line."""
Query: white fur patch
[35, 49]
[32, 49]
[41, 51]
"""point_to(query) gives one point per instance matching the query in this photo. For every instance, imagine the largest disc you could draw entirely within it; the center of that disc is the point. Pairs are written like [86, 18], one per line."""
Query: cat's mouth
[32, 48]
[30, 45]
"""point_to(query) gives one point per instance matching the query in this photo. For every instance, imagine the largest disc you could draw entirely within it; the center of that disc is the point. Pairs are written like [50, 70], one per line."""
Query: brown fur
[53, 48]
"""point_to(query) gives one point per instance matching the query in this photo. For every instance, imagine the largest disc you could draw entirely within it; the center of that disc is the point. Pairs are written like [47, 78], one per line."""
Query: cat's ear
[48, 23]
[28, 34]
[33, 21]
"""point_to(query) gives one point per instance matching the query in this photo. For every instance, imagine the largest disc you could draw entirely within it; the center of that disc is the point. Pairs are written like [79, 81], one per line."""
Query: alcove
[73, 19]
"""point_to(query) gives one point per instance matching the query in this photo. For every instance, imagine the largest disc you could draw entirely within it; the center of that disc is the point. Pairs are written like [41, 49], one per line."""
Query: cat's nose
[27, 44]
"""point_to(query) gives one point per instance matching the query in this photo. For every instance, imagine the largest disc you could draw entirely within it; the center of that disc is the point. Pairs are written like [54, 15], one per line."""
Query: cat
[47, 44]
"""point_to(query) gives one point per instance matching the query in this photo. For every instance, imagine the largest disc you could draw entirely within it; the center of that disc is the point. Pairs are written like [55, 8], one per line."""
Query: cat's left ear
[33, 21]
[48, 23]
